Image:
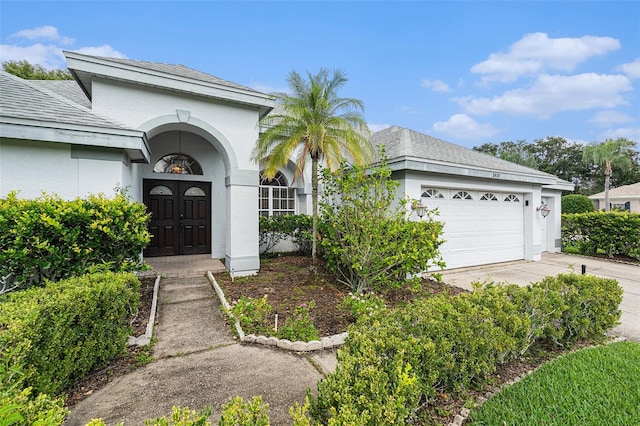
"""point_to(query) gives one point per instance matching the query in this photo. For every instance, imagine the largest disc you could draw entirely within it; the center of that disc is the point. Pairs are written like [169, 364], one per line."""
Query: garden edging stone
[145, 339]
[329, 342]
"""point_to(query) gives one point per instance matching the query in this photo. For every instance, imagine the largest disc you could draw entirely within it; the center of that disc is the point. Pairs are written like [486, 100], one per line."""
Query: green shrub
[252, 314]
[365, 235]
[363, 305]
[615, 233]
[239, 413]
[67, 328]
[295, 228]
[183, 417]
[18, 405]
[300, 326]
[51, 238]
[576, 203]
[591, 306]
[395, 361]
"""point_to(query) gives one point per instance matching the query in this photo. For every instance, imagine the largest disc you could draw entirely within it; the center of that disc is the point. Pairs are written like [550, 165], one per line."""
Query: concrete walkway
[201, 364]
[523, 273]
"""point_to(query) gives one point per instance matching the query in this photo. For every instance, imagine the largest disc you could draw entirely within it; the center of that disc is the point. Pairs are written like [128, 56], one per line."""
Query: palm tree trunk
[314, 201]
[607, 184]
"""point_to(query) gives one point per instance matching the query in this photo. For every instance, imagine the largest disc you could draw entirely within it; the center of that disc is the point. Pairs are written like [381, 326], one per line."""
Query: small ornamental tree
[576, 203]
[366, 237]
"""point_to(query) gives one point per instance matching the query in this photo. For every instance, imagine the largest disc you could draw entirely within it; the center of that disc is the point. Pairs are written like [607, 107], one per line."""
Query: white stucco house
[180, 140]
[625, 197]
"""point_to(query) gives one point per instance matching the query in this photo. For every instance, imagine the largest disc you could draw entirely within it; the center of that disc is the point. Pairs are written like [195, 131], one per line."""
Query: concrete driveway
[524, 272]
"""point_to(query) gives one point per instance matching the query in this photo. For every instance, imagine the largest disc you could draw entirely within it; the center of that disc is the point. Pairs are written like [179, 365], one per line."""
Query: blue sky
[465, 71]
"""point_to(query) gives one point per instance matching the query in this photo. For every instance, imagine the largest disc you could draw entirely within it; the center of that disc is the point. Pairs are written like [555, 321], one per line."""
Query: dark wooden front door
[180, 217]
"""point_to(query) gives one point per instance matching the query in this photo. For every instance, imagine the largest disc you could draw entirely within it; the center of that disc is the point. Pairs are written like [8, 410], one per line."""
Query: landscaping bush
[237, 412]
[51, 238]
[65, 329]
[590, 306]
[294, 228]
[18, 405]
[365, 235]
[614, 233]
[395, 361]
[576, 203]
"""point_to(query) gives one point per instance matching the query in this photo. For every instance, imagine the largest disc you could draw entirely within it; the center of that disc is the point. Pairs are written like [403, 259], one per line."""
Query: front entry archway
[180, 217]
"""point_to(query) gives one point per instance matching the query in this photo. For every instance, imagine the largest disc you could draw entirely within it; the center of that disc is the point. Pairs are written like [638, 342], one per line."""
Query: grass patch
[593, 386]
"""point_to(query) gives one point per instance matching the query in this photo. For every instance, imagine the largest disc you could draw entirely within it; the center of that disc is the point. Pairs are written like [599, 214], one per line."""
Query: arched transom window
[178, 163]
[432, 193]
[462, 195]
[512, 198]
[275, 197]
[488, 196]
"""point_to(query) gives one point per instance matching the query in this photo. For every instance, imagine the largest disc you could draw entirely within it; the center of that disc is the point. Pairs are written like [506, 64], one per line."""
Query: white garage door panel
[479, 232]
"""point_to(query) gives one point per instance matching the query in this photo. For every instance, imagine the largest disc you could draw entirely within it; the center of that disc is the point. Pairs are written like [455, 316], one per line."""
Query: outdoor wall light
[544, 209]
[419, 209]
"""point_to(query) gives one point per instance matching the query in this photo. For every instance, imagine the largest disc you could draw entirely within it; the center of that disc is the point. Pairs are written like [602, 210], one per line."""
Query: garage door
[480, 227]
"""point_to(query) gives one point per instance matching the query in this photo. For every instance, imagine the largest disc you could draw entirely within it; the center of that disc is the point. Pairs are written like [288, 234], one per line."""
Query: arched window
[489, 197]
[177, 163]
[462, 195]
[512, 198]
[275, 197]
[432, 193]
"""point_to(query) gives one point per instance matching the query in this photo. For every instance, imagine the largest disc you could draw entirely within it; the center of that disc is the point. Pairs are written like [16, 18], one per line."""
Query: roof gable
[168, 77]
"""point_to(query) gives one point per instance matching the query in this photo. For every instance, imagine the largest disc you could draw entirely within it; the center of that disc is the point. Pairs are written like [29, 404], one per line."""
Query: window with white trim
[432, 193]
[462, 195]
[489, 197]
[275, 197]
[512, 198]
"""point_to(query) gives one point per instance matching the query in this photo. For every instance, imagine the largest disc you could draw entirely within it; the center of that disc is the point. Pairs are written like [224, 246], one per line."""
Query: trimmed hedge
[615, 233]
[51, 238]
[399, 360]
[65, 329]
[576, 203]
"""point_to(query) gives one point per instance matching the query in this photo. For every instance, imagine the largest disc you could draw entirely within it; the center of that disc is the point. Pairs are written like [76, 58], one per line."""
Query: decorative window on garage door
[488, 196]
[432, 193]
[512, 198]
[462, 195]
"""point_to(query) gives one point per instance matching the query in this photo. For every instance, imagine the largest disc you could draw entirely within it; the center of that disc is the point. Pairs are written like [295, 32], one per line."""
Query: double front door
[180, 217]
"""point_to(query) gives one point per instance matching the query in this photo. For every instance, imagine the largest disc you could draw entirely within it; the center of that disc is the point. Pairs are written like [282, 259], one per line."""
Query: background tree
[313, 123]
[24, 69]
[611, 152]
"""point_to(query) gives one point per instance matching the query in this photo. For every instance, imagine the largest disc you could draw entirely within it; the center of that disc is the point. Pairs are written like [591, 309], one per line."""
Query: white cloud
[436, 85]
[49, 56]
[462, 126]
[632, 69]
[46, 32]
[104, 50]
[631, 133]
[374, 127]
[554, 93]
[536, 52]
[609, 117]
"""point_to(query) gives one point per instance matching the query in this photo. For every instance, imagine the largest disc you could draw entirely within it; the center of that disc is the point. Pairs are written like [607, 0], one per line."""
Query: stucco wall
[56, 168]
[135, 105]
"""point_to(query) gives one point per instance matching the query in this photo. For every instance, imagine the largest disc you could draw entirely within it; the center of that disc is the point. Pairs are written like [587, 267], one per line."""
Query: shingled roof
[178, 71]
[24, 99]
[625, 191]
[402, 143]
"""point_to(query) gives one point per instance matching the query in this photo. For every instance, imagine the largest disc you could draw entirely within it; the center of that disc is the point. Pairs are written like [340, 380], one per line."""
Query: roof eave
[134, 142]
[84, 68]
[431, 166]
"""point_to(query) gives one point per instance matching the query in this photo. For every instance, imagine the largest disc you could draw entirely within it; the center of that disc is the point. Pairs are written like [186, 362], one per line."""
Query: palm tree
[609, 153]
[313, 122]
